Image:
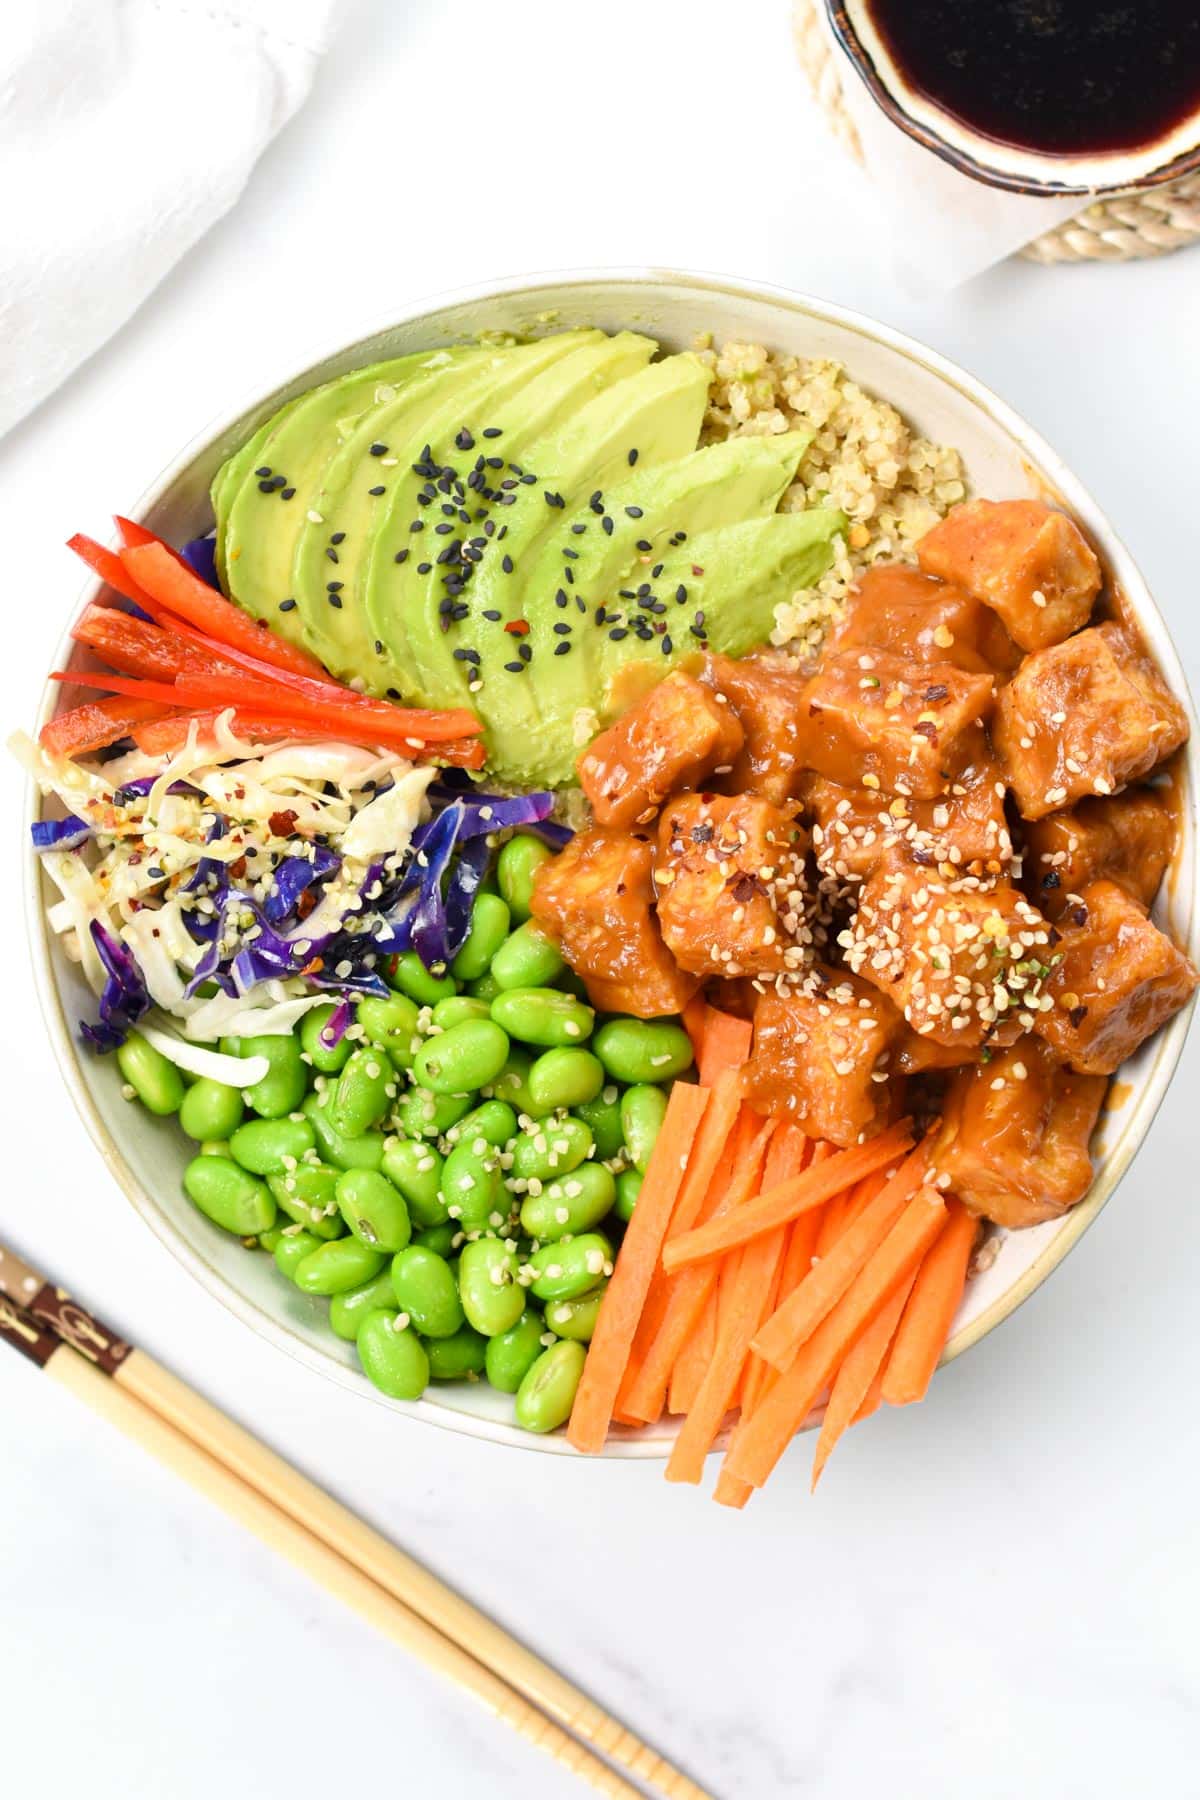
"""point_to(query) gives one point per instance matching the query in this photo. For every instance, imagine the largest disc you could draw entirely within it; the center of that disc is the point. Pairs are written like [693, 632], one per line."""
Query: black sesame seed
[490, 613]
[400, 556]
[578, 530]
[552, 499]
[633, 512]
[506, 563]
[441, 530]
[287, 493]
[617, 633]
[392, 693]
[562, 649]
[667, 646]
[656, 571]
[573, 554]
[424, 568]
[529, 480]
[287, 606]
[463, 440]
[633, 456]
[263, 471]
[339, 537]
[515, 668]
[334, 587]
[266, 487]
[378, 647]
[417, 525]
[601, 615]
[378, 449]
[644, 544]
[580, 603]
[332, 555]
[375, 490]
[336, 600]
[493, 431]
[495, 462]
[562, 629]
[608, 525]
[525, 652]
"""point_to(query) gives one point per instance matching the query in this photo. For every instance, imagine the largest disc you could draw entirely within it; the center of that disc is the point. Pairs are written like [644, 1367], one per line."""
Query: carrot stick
[689, 1292]
[782, 1203]
[872, 1397]
[695, 1021]
[761, 1440]
[626, 1295]
[790, 1154]
[694, 1358]
[803, 1240]
[804, 1310]
[854, 1379]
[930, 1312]
[726, 1044]
[743, 1282]
[729, 1491]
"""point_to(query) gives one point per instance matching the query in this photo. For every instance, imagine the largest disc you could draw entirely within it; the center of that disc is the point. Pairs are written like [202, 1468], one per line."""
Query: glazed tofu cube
[1128, 839]
[963, 832]
[958, 958]
[1084, 717]
[1025, 559]
[764, 695]
[1013, 1143]
[595, 900]
[1119, 979]
[729, 875]
[876, 720]
[675, 736]
[820, 1056]
[900, 609]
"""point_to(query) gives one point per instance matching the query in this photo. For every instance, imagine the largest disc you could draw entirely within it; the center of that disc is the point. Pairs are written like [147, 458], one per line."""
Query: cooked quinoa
[892, 485]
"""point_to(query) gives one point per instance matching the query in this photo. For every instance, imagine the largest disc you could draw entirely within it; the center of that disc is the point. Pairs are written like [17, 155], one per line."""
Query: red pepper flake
[282, 823]
[313, 966]
[305, 903]
[237, 868]
[517, 627]
[696, 569]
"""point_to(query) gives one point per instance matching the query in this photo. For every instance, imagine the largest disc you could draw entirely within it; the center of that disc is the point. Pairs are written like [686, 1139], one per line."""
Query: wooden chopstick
[294, 1516]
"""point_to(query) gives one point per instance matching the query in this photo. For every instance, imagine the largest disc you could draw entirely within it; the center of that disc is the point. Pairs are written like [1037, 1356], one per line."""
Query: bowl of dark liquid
[1037, 96]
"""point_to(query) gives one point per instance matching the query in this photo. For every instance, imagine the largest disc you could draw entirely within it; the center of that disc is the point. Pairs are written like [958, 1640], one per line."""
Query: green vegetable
[643, 1109]
[348, 1310]
[491, 1296]
[490, 919]
[373, 1209]
[327, 1057]
[364, 1152]
[567, 1270]
[516, 870]
[543, 1016]
[547, 1394]
[306, 1194]
[363, 1091]
[512, 1353]
[337, 1267]
[565, 1077]
[408, 973]
[415, 1167]
[282, 1088]
[392, 1024]
[458, 1357]
[393, 1356]
[529, 958]
[292, 1249]
[553, 1147]
[210, 1109]
[229, 1196]
[425, 1288]
[576, 1319]
[643, 1050]
[270, 1146]
[463, 1059]
[156, 1081]
[574, 1203]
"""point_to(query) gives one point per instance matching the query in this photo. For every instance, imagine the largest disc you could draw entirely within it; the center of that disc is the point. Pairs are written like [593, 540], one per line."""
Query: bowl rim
[1168, 1045]
[891, 102]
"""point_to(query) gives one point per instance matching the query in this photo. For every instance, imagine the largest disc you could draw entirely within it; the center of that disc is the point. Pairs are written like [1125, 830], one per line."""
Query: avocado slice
[599, 550]
[257, 527]
[417, 582]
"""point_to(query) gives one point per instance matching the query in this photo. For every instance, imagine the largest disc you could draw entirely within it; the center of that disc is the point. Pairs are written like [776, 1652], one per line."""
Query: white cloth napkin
[127, 127]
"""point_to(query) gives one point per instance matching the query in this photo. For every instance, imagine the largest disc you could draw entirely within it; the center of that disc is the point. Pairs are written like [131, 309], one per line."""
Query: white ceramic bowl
[1004, 459]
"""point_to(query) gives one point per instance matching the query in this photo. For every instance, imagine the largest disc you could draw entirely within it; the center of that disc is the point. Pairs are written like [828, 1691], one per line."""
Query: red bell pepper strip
[162, 737]
[169, 582]
[132, 533]
[108, 565]
[343, 710]
[136, 647]
[95, 725]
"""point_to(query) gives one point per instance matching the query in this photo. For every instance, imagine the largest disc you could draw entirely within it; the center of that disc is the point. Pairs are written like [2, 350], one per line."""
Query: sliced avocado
[257, 544]
[586, 562]
[419, 582]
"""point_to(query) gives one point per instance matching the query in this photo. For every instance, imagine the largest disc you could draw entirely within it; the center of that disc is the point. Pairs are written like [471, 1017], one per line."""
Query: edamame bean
[512, 1086]
[292, 1249]
[408, 974]
[415, 1167]
[392, 1024]
[364, 1152]
[422, 1113]
[322, 1053]
[629, 1186]
[547, 1394]
[603, 1118]
[269, 1240]
[270, 1146]
[347, 1311]
[283, 1087]
[543, 1016]
[438, 1238]
[494, 1121]
[307, 1194]
[392, 1356]
[425, 1289]
[373, 1209]
[568, 1270]
[491, 1296]
[565, 1077]
[576, 1319]
[364, 1089]
[458, 1009]
[490, 920]
[553, 1147]
[512, 1353]
[473, 1188]
[516, 870]
[572, 1204]
[337, 1267]
[529, 958]
[643, 1109]
[643, 1050]
[214, 1147]
[229, 1196]
[457, 1358]
[210, 1109]
[154, 1079]
[486, 988]
[463, 1059]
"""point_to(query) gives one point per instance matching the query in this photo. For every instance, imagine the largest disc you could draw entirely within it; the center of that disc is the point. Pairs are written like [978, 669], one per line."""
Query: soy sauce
[1057, 76]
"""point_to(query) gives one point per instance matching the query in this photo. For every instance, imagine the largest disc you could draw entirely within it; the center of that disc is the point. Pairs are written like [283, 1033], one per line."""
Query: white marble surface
[993, 1595]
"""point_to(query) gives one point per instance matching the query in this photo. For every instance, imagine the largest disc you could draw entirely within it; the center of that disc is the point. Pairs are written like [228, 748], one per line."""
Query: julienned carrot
[790, 1154]
[726, 1044]
[729, 1491]
[161, 574]
[787, 1199]
[695, 1019]
[856, 1376]
[761, 1440]
[694, 1358]
[743, 1282]
[830, 1277]
[623, 1302]
[930, 1312]
[94, 725]
[687, 1294]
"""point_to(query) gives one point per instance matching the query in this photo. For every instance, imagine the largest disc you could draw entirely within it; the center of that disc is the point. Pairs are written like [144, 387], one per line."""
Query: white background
[996, 1593]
